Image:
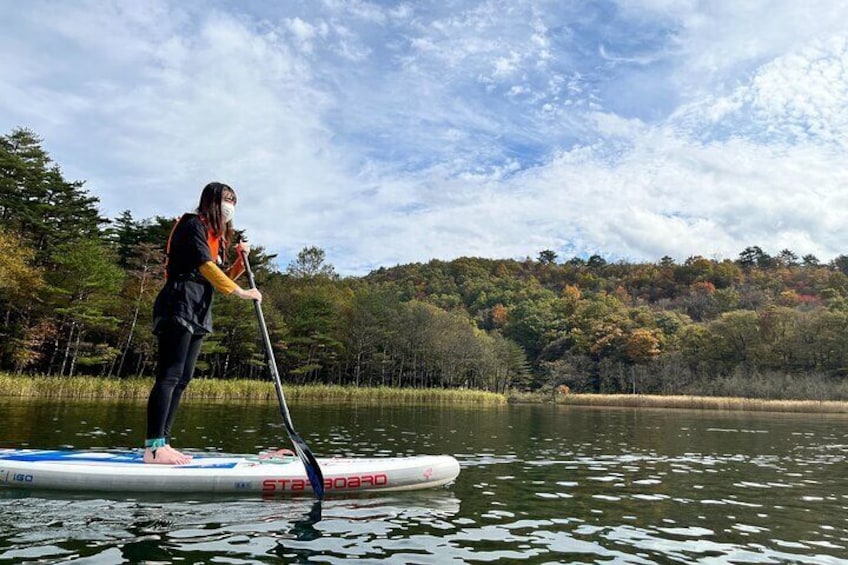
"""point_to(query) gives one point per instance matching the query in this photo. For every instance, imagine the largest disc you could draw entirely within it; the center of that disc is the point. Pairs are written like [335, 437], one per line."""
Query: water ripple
[538, 485]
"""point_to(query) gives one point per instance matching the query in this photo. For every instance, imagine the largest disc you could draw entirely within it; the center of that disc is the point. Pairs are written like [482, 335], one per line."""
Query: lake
[539, 484]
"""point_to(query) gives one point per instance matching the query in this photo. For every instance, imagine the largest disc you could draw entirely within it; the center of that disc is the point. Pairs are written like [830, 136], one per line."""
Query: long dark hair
[210, 209]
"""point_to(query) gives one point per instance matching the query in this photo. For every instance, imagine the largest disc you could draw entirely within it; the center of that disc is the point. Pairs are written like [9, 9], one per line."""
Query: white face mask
[228, 210]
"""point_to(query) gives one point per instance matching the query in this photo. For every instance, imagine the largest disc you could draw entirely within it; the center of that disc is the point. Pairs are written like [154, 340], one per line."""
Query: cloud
[666, 196]
[799, 97]
[305, 34]
[387, 134]
[221, 100]
[719, 43]
[753, 168]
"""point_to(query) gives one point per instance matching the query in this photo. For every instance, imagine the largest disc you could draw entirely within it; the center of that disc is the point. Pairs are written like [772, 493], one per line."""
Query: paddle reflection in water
[305, 530]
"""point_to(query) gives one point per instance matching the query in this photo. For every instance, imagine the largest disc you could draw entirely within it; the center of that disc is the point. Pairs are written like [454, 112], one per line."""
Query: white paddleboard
[96, 471]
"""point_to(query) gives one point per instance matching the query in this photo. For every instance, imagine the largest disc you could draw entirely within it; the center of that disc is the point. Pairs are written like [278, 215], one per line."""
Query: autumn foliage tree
[77, 291]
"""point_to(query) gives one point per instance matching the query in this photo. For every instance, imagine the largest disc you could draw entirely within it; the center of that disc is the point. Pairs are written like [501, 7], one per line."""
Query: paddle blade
[313, 471]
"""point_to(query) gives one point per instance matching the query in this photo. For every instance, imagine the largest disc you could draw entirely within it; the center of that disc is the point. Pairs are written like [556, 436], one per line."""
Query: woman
[182, 313]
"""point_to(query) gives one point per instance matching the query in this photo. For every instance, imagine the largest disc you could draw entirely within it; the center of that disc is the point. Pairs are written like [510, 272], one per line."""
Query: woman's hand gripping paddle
[313, 471]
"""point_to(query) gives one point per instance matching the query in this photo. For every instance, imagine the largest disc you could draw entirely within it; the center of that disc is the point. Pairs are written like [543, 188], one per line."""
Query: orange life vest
[213, 241]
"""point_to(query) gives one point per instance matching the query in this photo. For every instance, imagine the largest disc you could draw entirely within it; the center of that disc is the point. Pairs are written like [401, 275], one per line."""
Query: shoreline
[137, 389]
[714, 403]
[101, 388]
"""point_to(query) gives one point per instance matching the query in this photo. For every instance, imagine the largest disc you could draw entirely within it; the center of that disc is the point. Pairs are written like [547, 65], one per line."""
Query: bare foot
[180, 453]
[278, 454]
[165, 456]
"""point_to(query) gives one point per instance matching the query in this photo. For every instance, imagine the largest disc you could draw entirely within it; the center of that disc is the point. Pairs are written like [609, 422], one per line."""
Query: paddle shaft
[310, 464]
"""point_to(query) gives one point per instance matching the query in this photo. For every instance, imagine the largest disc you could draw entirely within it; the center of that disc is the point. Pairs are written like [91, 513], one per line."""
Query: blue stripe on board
[63, 456]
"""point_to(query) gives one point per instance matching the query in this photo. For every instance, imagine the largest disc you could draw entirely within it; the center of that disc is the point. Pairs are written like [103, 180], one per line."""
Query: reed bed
[701, 403]
[241, 390]
[263, 391]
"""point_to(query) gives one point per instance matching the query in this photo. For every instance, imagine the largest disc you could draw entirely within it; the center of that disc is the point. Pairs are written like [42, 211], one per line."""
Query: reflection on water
[539, 484]
[72, 527]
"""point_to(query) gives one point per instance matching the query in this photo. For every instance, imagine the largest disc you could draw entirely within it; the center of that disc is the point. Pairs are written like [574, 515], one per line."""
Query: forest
[77, 290]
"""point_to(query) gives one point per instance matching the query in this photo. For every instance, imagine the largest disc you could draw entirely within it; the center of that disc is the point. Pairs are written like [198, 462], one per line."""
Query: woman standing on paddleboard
[195, 268]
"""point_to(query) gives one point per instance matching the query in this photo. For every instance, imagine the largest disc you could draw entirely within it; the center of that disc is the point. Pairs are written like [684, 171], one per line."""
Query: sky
[392, 132]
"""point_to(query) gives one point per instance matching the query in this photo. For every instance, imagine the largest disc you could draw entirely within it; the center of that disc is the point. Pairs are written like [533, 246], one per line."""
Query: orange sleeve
[212, 273]
[236, 269]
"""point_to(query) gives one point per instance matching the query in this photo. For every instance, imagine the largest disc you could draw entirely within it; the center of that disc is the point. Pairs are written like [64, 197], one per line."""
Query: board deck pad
[125, 471]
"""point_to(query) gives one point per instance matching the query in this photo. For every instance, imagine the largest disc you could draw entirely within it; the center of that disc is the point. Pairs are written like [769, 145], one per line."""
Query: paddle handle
[266, 341]
[310, 464]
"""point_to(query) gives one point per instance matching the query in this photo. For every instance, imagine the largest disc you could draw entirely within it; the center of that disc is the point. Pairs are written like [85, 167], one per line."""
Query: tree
[547, 257]
[641, 345]
[367, 332]
[700, 303]
[788, 258]
[313, 309]
[144, 267]
[499, 315]
[126, 234]
[83, 286]
[534, 323]
[505, 365]
[22, 333]
[38, 202]
[75, 292]
[840, 263]
[695, 269]
[810, 260]
[596, 262]
[310, 264]
[21, 280]
[754, 256]
[736, 339]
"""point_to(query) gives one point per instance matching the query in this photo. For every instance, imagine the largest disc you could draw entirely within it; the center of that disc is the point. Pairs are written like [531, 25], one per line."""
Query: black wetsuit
[182, 315]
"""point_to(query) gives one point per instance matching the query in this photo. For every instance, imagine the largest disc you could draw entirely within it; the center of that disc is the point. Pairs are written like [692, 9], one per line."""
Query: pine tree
[37, 201]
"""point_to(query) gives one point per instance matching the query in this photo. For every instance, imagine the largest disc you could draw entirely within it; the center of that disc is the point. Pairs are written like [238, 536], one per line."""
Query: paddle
[313, 471]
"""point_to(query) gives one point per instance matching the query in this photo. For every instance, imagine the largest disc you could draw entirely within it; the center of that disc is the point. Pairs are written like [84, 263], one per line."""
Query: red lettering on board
[270, 485]
[355, 481]
[336, 483]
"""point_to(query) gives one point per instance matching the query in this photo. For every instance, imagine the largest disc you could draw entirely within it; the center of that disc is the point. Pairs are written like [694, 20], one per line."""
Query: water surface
[539, 484]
